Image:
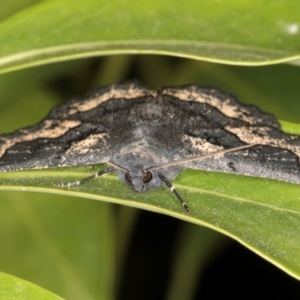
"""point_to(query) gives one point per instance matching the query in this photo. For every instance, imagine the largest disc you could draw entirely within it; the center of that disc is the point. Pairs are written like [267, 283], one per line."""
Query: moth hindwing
[148, 136]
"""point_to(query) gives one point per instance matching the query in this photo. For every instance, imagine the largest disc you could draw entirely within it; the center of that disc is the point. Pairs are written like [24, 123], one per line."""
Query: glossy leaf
[244, 32]
[262, 214]
[15, 288]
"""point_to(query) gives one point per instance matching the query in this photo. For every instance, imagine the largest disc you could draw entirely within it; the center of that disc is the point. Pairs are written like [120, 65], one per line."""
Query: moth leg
[83, 180]
[173, 190]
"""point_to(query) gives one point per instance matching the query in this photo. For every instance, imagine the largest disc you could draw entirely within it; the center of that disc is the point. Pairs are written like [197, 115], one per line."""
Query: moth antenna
[116, 166]
[83, 180]
[173, 190]
[197, 157]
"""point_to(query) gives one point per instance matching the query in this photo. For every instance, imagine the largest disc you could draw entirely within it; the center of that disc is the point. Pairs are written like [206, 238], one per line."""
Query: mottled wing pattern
[75, 133]
[172, 123]
[216, 121]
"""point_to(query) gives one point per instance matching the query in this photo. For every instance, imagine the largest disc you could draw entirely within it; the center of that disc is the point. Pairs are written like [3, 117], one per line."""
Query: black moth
[148, 136]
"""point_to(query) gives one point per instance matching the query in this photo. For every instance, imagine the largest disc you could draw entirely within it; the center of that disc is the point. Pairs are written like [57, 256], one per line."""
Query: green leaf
[263, 215]
[18, 289]
[226, 31]
[290, 127]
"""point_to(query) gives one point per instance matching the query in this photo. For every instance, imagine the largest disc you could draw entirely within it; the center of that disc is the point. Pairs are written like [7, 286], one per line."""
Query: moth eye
[147, 177]
[127, 175]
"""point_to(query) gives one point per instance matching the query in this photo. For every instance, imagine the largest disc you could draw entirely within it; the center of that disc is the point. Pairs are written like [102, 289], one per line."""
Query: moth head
[142, 180]
[139, 179]
[132, 170]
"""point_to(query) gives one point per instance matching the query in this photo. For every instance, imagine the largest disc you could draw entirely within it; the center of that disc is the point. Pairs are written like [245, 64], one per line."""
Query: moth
[148, 136]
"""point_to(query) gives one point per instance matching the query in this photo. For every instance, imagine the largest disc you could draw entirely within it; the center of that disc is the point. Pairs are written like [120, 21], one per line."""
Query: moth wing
[75, 133]
[54, 143]
[217, 121]
[258, 161]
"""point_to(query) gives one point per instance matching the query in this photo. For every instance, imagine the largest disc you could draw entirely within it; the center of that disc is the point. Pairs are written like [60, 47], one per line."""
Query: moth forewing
[148, 136]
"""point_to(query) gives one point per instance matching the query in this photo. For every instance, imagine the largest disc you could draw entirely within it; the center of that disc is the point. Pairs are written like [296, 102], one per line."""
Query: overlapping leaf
[234, 32]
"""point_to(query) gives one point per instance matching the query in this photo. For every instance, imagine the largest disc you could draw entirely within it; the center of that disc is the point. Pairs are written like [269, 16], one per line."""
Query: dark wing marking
[53, 143]
[173, 123]
[75, 133]
[216, 121]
